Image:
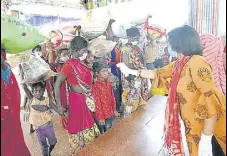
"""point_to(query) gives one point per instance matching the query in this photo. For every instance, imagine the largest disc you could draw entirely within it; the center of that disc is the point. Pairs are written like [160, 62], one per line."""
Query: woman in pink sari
[214, 53]
[80, 123]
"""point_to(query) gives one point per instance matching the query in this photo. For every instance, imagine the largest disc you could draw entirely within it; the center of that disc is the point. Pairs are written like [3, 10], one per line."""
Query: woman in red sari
[80, 123]
[12, 139]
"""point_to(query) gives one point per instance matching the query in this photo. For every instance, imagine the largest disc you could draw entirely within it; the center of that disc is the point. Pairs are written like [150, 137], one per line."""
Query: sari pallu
[80, 124]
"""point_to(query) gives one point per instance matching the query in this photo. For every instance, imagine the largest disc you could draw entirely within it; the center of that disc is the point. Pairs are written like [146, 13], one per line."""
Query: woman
[213, 51]
[80, 124]
[135, 90]
[193, 91]
[12, 139]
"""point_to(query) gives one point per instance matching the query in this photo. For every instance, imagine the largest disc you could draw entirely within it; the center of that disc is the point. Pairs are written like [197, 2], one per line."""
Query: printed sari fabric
[214, 53]
[133, 95]
[198, 99]
[80, 124]
[12, 139]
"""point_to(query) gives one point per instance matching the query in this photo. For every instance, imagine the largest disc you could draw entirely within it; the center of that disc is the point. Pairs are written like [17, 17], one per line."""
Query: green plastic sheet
[18, 36]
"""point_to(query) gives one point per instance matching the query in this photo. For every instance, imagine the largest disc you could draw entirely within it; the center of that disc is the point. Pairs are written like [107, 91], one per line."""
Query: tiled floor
[137, 135]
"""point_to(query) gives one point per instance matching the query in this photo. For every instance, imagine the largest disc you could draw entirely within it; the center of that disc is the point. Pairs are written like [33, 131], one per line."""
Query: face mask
[64, 59]
[135, 43]
[171, 52]
[82, 58]
[5, 74]
[137, 84]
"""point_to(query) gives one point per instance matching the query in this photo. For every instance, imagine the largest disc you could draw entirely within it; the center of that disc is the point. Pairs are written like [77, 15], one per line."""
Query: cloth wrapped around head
[213, 51]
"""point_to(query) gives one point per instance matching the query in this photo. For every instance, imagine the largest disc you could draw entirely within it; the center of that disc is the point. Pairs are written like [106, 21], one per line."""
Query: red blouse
[105, 103]
[68, 71]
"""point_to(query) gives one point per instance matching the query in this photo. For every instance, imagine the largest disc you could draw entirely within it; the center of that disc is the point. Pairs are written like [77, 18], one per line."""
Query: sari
[194, 96]
[214, 53]
[63, 97]
[12, 140]
[134, 96]
[80, 124]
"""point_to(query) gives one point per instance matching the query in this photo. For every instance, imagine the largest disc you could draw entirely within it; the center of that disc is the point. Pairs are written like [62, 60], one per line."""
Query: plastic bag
[36, 70]
[17, 36]
[101, 47]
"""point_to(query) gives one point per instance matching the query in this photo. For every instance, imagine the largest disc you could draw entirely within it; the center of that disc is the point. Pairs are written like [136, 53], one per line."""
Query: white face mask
[82, 58]
[137, 84]
[135, 43]
[64, 59]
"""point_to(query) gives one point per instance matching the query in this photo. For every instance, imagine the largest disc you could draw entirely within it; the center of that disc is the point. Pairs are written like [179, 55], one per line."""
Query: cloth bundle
[36, 70]
[101, 47]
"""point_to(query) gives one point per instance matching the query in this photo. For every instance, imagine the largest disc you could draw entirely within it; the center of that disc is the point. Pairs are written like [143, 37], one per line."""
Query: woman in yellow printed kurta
[198, 100]
[201, 106]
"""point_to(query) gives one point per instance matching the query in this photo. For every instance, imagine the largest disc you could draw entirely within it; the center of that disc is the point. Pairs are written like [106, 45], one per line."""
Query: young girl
[62, 57]
[40, 117]
[105, 103]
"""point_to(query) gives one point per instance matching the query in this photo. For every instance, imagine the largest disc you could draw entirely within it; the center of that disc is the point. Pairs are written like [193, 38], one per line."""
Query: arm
[203, 79]
[25, 102]
[109, 31]
[27, 91]
[165, 72]
[52, 105]
[57, 91]
[113, 99]
[98, 104]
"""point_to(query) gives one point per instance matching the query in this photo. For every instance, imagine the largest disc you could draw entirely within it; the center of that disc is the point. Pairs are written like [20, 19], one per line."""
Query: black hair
[78, 43]
[38, 47]
[133, 32]
[186, 40]
[98, 66]
[38, 84]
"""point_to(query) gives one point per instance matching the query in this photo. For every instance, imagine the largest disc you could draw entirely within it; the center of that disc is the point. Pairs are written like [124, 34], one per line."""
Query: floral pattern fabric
[132, 95]
[83, 138]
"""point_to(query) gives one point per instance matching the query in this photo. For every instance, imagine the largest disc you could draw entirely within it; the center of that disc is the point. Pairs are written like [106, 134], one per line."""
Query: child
[40, 117]
[105, 103]
[62, 57]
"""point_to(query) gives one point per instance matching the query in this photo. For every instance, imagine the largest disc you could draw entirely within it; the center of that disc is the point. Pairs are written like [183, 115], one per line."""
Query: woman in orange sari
[193, 96]
[77, 72]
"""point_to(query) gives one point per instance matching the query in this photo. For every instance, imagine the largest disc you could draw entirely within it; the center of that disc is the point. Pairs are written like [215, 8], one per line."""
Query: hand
[127, 71]
[205, 145]
[116, 114]
[128, 109]
[66, 114]
[102, 122]
[61, 110]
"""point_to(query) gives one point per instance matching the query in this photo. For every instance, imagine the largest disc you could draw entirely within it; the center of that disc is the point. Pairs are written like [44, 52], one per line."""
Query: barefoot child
[105, 103]
[40, 117]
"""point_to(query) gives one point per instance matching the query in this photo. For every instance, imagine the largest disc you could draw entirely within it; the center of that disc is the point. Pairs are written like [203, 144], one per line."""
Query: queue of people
[88, 93]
